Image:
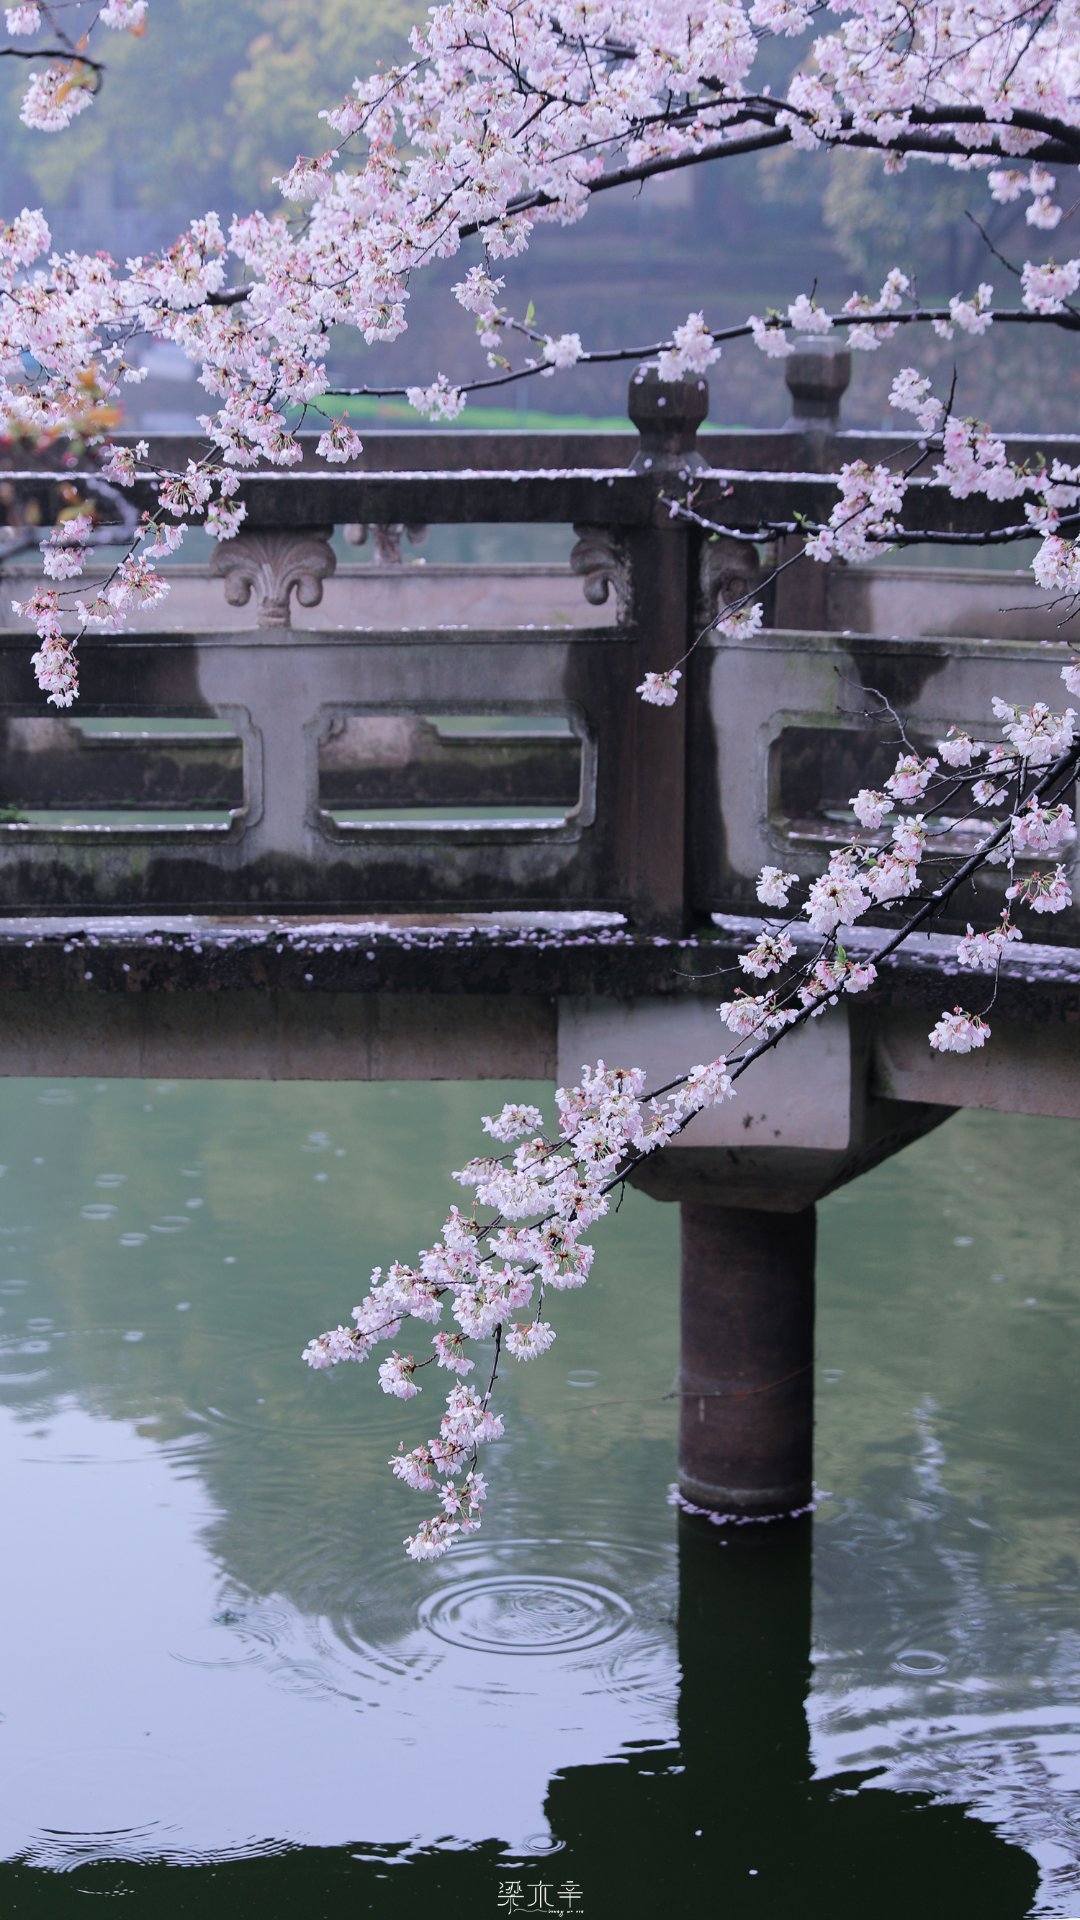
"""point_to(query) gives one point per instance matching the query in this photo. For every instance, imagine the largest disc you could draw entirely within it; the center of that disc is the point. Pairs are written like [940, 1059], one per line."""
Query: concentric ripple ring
[525, 1614]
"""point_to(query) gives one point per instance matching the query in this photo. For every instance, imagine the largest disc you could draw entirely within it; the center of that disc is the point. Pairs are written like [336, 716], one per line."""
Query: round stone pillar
[746, 1359]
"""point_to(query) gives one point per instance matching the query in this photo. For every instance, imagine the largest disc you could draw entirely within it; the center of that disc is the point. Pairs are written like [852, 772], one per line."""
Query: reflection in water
[222, 1691]
[986, 1707]
[732, 1806]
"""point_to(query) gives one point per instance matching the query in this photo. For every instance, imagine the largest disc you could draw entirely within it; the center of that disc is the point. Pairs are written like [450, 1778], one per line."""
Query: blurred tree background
[216, 99]
[207, 106]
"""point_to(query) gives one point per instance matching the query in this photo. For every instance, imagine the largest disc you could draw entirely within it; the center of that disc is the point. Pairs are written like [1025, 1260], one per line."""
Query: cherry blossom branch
[1069, 321]
[52, 53]
[607, 1130]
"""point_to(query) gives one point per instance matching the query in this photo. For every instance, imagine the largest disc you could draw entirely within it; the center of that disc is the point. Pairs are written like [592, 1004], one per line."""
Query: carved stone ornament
[729, 570]
[387, 539]
[602, 561]
[272, 567]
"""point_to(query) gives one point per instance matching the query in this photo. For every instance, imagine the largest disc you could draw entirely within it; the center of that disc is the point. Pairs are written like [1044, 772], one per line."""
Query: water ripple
[516, 1613]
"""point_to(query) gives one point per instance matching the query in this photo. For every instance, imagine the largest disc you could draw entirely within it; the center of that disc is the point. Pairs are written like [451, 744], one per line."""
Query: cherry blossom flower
[1042, 892]
[1056, 567]
[959, 1032]
[737, 623]
[971, 316]
[769, 336]
[958, 749]
[864, 515]
[859, 976]
[479, 292]
[692, 351]
[1046, 288]
[396, 1376]
[565, 351]
[836, 898]
[56, 669]
[450, 1353]
[807, 317]
[339, 443]
[122, 463]
[1039, 829]
[910, 393]
[489, 1273]
[1038, 734]
[870, 807]
[307, 178]
[224, 518]
[124, 15]
[135, 583]
[414, 1468]
[769, 953]
[431, 1539]
[660, 689]
[773, 886]
[513, 1122]
[750, 1014]
[526, 1341]
[440, 401]
[982, 951]
[54, 97]
[63, 555]
[185, 494]
[891, 877]
[910, 777]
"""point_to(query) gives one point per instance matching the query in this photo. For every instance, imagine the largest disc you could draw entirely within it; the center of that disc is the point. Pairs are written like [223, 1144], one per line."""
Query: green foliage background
[212, 102]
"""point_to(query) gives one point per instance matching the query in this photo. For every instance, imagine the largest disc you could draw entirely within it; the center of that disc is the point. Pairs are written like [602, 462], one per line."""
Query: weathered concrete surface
[273, 1035]
[412, 595]
[1022, 1069]
[450, 998]
[569, 955]
[807, 1093]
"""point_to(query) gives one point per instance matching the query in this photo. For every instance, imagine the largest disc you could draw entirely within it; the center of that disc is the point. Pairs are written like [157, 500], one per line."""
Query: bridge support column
[746, 1176]
[746, 1359]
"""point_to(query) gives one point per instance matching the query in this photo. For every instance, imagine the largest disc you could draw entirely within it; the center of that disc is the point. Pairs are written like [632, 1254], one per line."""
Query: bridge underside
[515, 997]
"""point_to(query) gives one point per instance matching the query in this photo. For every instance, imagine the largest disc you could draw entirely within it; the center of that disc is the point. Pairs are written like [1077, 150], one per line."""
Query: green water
[223, 1691]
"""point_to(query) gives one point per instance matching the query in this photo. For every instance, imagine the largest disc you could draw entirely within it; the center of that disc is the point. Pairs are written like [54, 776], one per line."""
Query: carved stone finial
[387, 539]
[729, 570]
[272, 567]
[667, 415]
[601, 559]
[818, 375]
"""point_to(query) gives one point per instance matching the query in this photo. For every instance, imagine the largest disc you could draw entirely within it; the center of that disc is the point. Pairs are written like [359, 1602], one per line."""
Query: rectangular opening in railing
[112, 772]
[391, 771]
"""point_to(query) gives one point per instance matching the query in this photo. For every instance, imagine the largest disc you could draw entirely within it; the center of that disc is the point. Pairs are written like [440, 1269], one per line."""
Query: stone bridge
[339, 814]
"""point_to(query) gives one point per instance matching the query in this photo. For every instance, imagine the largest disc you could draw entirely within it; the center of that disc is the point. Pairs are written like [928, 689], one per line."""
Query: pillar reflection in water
[730, 1821]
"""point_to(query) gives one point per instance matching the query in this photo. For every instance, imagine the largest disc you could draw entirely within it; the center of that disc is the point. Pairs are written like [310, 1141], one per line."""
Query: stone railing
[304, 730]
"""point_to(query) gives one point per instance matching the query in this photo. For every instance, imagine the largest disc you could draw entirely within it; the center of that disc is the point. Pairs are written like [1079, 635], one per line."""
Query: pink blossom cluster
[540, 1197]
[861, 877]
[543, 1195]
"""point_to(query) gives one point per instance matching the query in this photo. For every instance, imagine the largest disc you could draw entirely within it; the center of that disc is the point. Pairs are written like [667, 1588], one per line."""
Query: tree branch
[52, 53]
